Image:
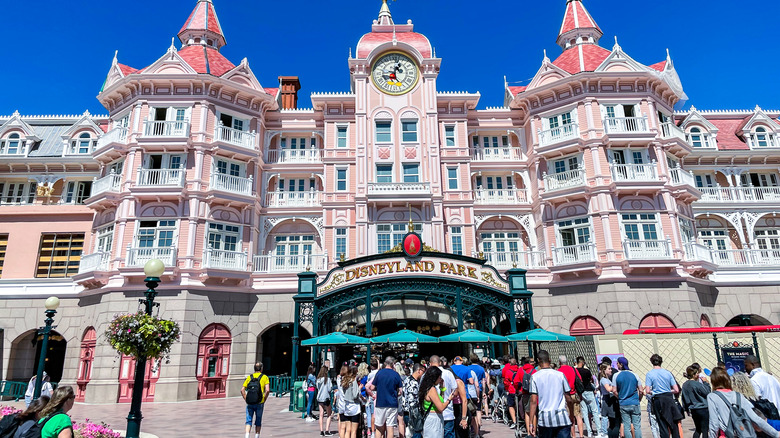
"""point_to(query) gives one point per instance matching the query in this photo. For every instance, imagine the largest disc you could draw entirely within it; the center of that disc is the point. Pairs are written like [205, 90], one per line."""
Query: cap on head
[623, 362]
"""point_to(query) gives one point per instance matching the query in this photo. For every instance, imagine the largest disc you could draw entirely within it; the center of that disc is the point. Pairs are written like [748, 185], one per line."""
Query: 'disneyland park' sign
[399, 267]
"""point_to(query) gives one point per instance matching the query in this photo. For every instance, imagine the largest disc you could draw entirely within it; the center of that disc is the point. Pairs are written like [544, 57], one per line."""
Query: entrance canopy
[404, 337]
[336, 338]
[475, 336]
[540, 335]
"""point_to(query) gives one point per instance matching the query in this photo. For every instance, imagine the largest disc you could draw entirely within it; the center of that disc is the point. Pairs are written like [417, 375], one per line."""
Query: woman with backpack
[14, 426]
[324, 388]
[54, 420]
[731, 414]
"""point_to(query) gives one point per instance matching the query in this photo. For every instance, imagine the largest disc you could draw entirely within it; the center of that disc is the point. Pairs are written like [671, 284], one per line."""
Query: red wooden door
[213, 361]
[86, 359]
[127, 375]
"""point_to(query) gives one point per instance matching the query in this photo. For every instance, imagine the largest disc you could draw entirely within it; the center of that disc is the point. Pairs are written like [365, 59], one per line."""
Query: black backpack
[8, 426]
[253, 394]
[579, 387]
[765, 406]
[739, 424]
[36, 431]
[527, 382]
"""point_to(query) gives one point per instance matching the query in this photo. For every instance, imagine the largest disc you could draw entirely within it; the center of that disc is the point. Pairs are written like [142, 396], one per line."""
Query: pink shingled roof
[203, 17]
[576, 17]
[372, 40]
[126, 69]
[660, 66]
[272, 91]
[727, 133]
[516, 90]
[206, 60]
[592, 55]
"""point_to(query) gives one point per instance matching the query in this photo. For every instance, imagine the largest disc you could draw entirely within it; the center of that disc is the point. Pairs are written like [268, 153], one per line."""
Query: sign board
[394, 268]
[734, 358]
[614, 357]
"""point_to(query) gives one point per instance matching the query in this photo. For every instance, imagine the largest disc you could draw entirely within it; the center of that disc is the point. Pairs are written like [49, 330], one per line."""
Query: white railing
[167, 128]
[634, 172]
[293, 156]
[746, 257]
[293, 199]
[509, 260]
[109, 183]
[563, 180]
[647, 249]
[116, 135]
[571, 255]
[399, 188]
[622, 125]
[137, 257]
[290, 263]
[670, 130]
[681, 177]
[697, 252]
[561, 133]
[221, 259]
[94, 262]
[231, 184]
[161, 177]
[500, 196]
[235, 137]
[740, 194]
[495, 154]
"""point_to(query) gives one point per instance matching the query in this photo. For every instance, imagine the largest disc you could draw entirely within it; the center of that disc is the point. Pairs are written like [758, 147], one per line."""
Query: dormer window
[83, 145]
[13, 145]
[762, 138]
[698, 138]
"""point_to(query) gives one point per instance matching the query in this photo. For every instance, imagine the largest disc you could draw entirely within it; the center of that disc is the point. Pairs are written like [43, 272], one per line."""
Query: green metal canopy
[472, 336]
[335, 338]
[404, 337]
[540, 335]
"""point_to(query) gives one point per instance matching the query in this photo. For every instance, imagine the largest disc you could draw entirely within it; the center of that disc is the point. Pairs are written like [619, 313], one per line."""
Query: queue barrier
[281, 385]
[12, 389]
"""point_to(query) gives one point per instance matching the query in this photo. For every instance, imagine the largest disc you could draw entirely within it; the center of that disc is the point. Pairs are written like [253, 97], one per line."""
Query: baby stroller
[500, 412]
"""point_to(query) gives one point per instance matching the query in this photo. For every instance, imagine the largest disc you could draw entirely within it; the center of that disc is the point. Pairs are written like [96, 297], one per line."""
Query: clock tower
[393, 78]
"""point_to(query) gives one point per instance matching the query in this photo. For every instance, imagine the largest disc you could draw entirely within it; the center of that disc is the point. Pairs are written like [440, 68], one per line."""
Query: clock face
[395, 73]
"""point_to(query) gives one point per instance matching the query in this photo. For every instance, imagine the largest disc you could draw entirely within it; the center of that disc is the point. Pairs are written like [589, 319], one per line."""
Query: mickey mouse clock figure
[395, 73]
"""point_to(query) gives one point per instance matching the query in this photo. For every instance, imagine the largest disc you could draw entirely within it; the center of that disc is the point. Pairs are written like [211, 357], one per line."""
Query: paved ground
[224, 418]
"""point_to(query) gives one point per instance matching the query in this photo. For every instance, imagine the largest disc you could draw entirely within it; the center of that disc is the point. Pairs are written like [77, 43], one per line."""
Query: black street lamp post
[52, 303]
[153, 269]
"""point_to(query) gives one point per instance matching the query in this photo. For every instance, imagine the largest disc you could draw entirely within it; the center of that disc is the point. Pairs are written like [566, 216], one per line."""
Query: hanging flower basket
[142, 336]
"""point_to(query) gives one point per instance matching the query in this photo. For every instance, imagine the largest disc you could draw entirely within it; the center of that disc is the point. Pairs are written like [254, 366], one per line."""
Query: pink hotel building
[625, 213]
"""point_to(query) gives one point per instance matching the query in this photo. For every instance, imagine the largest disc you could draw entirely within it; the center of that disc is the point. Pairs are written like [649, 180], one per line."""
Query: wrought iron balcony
[559, 134]
[647, 249]
[574, 254]
[500, 196]
[564, 180]
[293, 199]
[290, 263]
[634, 172]
[235, 137]
[625, 125]
[231, 184]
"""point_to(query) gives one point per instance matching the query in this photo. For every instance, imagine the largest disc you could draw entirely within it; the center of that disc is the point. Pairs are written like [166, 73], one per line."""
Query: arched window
[82, 145]
[761, 137]
[586, 326]
[12, 145]
[705, 321]
[656, 321]
[696, 138]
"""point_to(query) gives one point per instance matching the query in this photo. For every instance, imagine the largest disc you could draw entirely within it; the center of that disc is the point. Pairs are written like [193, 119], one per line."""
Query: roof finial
[616, 47]
[116, 55]
[385, 18]
[545, 60]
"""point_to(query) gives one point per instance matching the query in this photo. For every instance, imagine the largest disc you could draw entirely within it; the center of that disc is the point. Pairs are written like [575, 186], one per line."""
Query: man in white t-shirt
[549, 399]
[766, 386]
[450, 386]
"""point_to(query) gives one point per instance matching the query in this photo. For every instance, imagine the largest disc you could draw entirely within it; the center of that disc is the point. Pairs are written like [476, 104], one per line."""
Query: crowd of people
[46, 417]
[537, 397]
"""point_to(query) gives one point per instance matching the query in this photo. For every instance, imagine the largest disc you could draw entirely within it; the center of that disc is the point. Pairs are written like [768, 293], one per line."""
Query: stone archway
[26, 351]
[274, 349]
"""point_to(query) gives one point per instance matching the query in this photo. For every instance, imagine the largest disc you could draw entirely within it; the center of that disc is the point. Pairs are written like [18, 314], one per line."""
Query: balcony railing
[697, 252]
[399, 188]
[231, 184]
[495, 154]
[221, 259]
[625, 125]
[634, 172]
[235, 137]
[509, 260]
[161, 177]
[167, 128]
[116, 135]
[670, 130]
[647, 249]
[293, 199]
[575, 254]
[746, 257]
[681, 177]
[137, 257]
[94, 262]
[109, 183]
[294, 156]
[561, 133]
[500, 196]
[290, 263]
[563, 180]
[740, 194]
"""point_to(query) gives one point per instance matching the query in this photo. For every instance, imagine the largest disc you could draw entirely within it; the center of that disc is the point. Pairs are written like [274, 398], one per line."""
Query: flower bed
[142, 336]
[88, 429]
[8, 410]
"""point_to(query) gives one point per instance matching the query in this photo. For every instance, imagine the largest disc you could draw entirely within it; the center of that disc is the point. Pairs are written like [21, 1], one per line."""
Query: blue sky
[58, 53]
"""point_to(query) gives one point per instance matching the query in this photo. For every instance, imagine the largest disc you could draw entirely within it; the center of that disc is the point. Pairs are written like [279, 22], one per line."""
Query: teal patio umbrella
[336, 338]
[404, 337]
[540, 335]
[472, 336]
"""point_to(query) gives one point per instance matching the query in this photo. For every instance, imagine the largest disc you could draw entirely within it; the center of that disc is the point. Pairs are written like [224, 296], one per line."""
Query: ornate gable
[243, 75]
[170, 63]
[619, 60]
[695, 117]
[16, 122]
[759, 117]
[84, 122]
[547, 73]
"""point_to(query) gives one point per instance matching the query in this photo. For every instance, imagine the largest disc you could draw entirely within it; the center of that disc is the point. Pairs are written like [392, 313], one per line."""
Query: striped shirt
[550, 386]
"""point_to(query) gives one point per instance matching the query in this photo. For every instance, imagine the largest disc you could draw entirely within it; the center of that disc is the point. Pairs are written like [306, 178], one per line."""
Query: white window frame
[165, 161]
[568, 164]
[509, 241]
[574, 224]
[76, 192]
[453, 179]
[384, 165]
[116, 166]
[456, 240]
[495, 182]
[169, 225]
[395, 232]
[24, 192]
[450, 137]
[641, 222]
[338, 180]
[629, 155]
[339, 137]
[684, 224]
[298, 185]
[416, 175]
[104, 238]
[171, 113]
[559, 120]
[618, 110]
[415, 132]
[287, 241]
[21, 146]
[84, 141]
[231, 166]
[286, 143]
[244, 120]
[713, 237]
[227, 236]
[376, 131]
[705, 180]
[340, 239]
